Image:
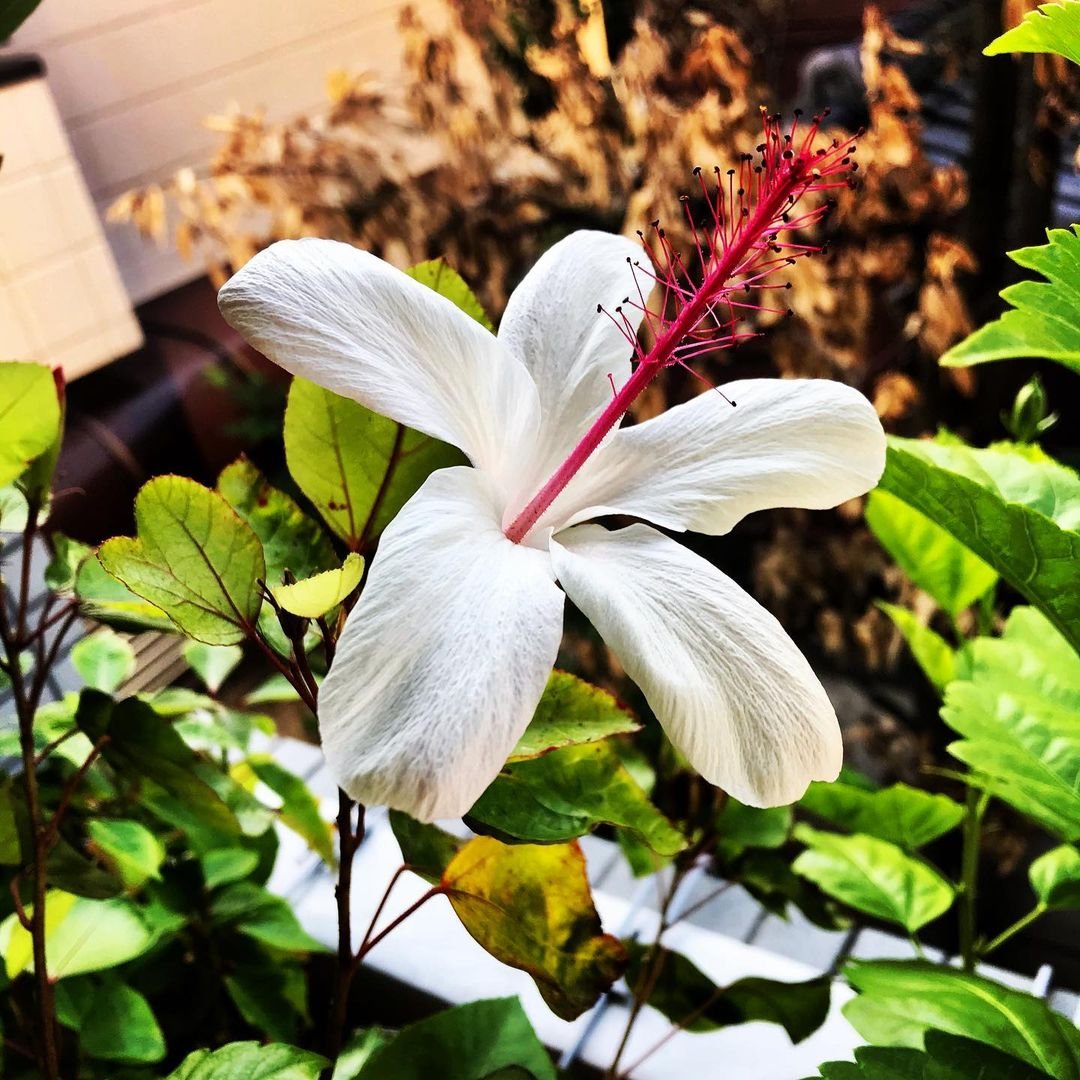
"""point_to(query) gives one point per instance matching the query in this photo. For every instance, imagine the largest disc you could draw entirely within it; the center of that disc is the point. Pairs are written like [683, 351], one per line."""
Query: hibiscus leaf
[682, 989]
[104, 660]
[261, 915]
[1010, 505]
[29, 417]
[567, 793]
[114, 1021]
[250, 1061]
[874, 876]
[212, 663]
[470, 1042]
[135, 852]
[531, 908]
[426, 849]
[1051, 28]
[1055, 877]
[313, 597]
[932, 652]
[299, 807]
[572, 711]
[437, 274]
[900, 1001]
[357, 468]
[193, 557]
[112, 602]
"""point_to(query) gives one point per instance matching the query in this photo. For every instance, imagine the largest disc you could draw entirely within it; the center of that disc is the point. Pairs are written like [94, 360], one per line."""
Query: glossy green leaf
[357, 1051]
[224, 865]
[273, 690]
[104, 660]
[570, 712]
[438, 275]
[426, 849]
[313, 597]
[264, 992]
[29, 412]
[263, 916]
[933, 559]
[114, 1021]
[251, 1061]
[1011, 506]
[14, 509]
[531, 908]
[194, 557]
[900, 814]
[357, 468]
[470, 1042]
[740, 827]
[899, 1001]
[683, 990]
[1051, 28]
[932, 652]
[299, 808]
[110, 601]
[873, 876]
[567, 793]
[1055, 877]
[67, 556]
[134, 851]
[212, 663]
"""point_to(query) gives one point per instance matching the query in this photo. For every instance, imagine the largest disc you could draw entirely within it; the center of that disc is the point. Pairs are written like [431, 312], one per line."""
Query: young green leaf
[313, 597]
[104, 660]
[1055, 877]
[263, 916]
[1051, 28]
[357, 1052]
[29, 415]
[572, 711]
[873, 876]
[224, 865]
[438, 275]
[299, 808]
[567, 793]
[212, 663]
[110, 601]
[194, 557]
[68, 556]
[899, 1001]
[470, 1042]
[135, 852]
[251, 1061]
[932, 652]
[531, 908]
[427, 849]
[264, 992]
[114, 1021]
[740, 827]
[1013, 507]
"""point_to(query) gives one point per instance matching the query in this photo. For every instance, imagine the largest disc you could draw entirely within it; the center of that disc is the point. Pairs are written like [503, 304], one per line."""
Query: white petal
[729, 686]
[552, 326]
[444, 658]
[706, 464]
[356, 325]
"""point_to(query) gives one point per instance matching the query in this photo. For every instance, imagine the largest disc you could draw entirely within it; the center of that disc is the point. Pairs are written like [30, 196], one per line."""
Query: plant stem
[348, 841]
[416, 905]
[674, 1030]
[976, 807]
[1021, 924]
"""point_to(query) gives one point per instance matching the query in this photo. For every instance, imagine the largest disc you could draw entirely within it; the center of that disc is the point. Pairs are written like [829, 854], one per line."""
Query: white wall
[134, 79]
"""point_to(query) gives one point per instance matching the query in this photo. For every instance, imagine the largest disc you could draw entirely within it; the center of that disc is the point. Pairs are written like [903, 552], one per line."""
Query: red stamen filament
[738, 248]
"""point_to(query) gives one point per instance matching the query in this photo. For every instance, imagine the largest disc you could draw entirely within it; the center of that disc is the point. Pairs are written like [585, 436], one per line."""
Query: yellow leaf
[18, 947]
[316, 595]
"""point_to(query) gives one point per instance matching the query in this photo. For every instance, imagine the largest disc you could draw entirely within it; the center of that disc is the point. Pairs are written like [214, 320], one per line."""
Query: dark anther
[789, 154]
[662, 233]
[731, 172]
[599, 309]
[741, 191]
[826, 111]
[854, 166]
[787, 284]
[745, 212]
[798, 113]
[761, 148]
[628, 259]
[785, 217]
[697, 170]
[655, 223]
[791, 261]
[790, 313]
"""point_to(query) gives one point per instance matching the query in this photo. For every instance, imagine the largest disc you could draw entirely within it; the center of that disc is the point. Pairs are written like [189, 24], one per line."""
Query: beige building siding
[134, 79]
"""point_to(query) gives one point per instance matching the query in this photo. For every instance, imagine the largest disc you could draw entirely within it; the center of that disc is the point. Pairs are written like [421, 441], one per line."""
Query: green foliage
[1055, 877]
[252, 910]
[357, 468]
[222, 865]
[476, 1041]
[426, 849]
[250, 1061]
[531, 908]
[212, 663]
[566, 793]
[874, 876]
[741, 827]
[299, 808]
[313, 597]
[1044, 318]
[900, 814]
[114, 1021]
[104, 660]
[899, 1001]
[682, 991]
[930, 556]
[932, 652]
[133, 850]
[446, 281]
[1012, 506]
[572, 712]
[29, 407]
[110, 601]
[1051, 28]
[194, 558]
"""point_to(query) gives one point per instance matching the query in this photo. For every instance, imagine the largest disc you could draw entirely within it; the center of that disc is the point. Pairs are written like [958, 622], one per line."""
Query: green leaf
[14, 509]
[29, 407]
[273, 690]
[263, 992]
[357, 468]
[291, 540]
[567, 793]
[901, 1000]
[740, 827]
[571, 711]
[224, 865]
[134, 851]
[10, 846]
[932, 652]
[299, 808]
[682, 990]
[263, 916]
[1013, 507]
[935, 561]
[104, 660]
[250, 1061]
[212, 663]
[110, 601]
[67, 556]
[358, 1050]
[873, 876]
[1055, 877]
[1051, 28]
[900, 814]
[426, 849]
[470, 1042]
[438, 275]
[13, 13]
[114, 1021]
[194, 557]
[313, 597]
[531, 908]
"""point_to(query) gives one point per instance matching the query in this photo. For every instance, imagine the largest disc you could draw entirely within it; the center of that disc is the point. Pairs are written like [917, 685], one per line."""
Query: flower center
[745, 237]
